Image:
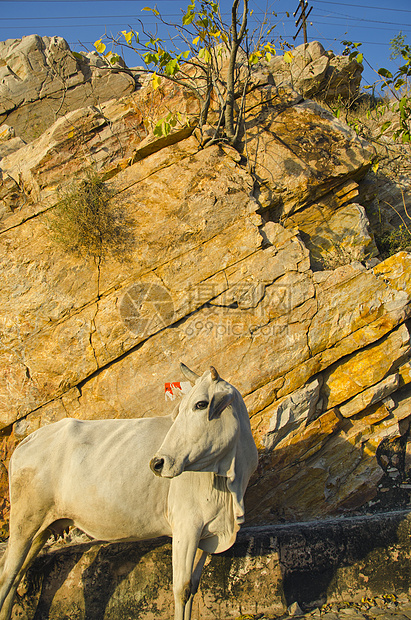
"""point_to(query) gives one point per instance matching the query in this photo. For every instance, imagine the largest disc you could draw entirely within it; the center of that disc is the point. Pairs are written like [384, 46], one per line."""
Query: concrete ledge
[268, 569]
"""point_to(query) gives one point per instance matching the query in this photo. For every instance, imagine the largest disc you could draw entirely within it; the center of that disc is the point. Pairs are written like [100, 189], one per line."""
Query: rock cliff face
[41, 79]
[261, 263]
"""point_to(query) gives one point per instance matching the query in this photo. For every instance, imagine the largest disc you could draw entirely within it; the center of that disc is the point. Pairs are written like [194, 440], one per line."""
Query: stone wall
[267, 571]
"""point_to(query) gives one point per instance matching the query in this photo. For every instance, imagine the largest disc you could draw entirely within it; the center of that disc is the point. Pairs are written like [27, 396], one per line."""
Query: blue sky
[81, 22]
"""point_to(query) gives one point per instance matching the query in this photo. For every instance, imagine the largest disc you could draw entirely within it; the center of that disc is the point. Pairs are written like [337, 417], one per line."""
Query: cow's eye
[202, 404]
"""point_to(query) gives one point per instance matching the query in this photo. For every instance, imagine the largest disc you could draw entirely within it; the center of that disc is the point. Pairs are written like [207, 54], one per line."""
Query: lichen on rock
[229, 265]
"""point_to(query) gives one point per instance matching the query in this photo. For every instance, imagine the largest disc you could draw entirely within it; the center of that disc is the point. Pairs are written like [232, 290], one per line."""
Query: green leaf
[254, 57]
[151, 58]
[384, 73]
[78, 56]
[171, 67]
[204, 54]
[203, 23]
[385, 126]
[402, 107]
[399, 83]
[162, 128]
[360, 58]
[188, 18]
[114, 58]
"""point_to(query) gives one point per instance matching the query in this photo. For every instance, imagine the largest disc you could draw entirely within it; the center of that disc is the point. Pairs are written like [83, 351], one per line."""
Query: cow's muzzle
[156, 465]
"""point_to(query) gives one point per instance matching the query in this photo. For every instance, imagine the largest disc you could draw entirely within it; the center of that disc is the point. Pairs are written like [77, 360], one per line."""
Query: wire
[70, 1]
[339, 16]
[19, 19]
[317, 21]
[404, 27]
[139, 16]
[368, 21]
[363, 6]
[321, 37]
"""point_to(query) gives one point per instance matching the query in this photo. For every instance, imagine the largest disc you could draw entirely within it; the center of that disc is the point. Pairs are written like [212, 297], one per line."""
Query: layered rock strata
[260, 262]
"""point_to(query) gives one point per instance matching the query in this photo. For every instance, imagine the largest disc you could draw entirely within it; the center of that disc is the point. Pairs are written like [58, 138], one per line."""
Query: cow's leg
[16, 553]
[184, 551]
[36, 546]
[26, 521]
[199, 560]
[3, 559]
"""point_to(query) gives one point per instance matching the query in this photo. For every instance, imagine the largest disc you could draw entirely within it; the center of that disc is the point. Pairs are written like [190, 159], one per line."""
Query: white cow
[183, 476]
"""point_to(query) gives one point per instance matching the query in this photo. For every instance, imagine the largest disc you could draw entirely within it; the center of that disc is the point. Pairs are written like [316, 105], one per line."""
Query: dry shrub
[393, 241]
[86, 223]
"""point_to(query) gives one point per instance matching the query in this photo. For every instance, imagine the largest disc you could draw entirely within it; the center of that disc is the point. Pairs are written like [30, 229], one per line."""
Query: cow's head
[211, 432]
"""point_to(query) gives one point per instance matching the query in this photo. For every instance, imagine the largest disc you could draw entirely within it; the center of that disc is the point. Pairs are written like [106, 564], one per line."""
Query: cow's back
[96, 473]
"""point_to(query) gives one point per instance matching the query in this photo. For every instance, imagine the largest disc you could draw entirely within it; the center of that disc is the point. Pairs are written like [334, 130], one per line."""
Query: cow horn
[214, 374]
[189, 374]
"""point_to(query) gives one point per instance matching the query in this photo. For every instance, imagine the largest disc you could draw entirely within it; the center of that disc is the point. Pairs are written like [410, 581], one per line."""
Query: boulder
[293, 168]
[315, 72]
[335, 236]
[41, 80]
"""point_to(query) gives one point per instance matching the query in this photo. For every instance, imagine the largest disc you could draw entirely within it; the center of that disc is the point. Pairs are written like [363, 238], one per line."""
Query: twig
[399, 215]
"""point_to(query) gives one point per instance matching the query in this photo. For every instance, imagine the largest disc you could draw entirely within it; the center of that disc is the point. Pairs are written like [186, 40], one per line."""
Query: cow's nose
[157, 465]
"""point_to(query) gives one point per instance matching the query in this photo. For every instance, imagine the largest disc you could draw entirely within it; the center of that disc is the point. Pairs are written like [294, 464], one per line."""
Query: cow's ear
[219, 402]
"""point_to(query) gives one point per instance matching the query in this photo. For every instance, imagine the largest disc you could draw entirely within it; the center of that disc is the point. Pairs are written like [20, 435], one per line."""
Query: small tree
[208, 44]
[398, 84]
